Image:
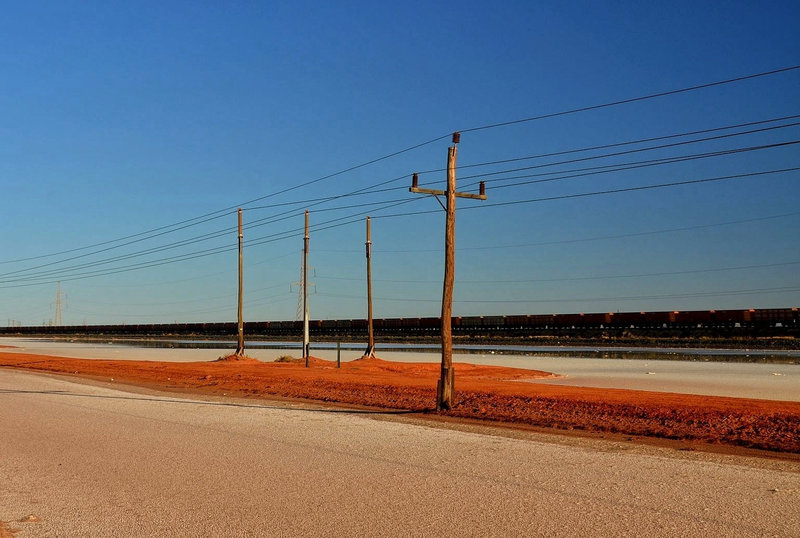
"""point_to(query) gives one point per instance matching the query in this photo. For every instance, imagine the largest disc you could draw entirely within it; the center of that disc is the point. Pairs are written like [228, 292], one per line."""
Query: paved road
[90, 460]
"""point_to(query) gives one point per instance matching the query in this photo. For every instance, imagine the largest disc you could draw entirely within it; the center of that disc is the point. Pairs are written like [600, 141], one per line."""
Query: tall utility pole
[240, 343]
[58, 305]
[370, 352]
[306, 340]
[446, 386]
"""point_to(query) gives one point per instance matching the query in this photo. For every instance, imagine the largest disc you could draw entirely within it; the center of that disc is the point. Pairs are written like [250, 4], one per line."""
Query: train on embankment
[750, 322]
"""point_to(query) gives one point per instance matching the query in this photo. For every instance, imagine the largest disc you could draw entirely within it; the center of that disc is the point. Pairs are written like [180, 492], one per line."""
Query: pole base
[445, 390]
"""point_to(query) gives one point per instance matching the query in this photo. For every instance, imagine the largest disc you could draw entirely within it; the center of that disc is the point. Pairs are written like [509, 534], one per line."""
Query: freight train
[512, 325]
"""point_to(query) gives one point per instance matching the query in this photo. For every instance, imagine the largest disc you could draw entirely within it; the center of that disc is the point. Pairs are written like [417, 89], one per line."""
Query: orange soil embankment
[491, 393]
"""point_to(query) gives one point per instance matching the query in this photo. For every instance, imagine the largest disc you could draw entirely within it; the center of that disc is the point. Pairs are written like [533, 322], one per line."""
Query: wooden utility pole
[370, 352]
[306, 340]
[240, 343]
[445, 389]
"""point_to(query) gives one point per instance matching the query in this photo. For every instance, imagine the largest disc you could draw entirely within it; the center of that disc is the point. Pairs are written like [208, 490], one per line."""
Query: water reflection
[757, 356]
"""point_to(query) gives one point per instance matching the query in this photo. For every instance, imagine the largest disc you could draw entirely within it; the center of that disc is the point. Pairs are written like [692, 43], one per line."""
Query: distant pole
[240, 344]
[306, 340]
[370, 352]
[446, 386]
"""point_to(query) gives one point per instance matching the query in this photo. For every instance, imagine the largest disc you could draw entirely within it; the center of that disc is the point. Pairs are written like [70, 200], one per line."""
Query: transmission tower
[58, 305]
[301, 289]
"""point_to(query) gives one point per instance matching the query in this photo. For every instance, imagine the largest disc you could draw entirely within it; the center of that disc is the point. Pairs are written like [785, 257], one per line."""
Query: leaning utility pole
[370, 352]
[306, 340]
[446, 386]
[240, 344]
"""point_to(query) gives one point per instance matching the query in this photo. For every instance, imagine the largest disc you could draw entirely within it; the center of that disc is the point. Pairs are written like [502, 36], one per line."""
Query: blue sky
[123, 117]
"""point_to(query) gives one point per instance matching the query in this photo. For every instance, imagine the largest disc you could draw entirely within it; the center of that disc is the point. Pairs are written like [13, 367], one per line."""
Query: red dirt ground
[487, 393]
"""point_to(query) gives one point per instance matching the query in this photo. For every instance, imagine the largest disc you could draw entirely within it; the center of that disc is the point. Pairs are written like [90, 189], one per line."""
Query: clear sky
[119, 120]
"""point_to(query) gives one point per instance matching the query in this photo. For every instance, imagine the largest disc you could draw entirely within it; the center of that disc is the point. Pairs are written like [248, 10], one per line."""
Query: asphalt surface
[97, 460]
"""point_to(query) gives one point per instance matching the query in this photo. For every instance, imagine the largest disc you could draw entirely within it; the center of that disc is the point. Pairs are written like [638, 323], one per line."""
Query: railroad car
[731, 318]
[432, 324]
[695, 318]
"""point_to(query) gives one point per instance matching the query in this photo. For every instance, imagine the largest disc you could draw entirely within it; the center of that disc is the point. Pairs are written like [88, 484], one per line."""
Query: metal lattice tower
[301, 288]
[58, 305]
[301, 291]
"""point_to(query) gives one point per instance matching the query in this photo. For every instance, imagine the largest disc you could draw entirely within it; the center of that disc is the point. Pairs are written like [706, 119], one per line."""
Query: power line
[619, 144]
[257, 302]
[270, 220]
[584, 239]
[628, 152]
[606, 169]
[578, 279]
[219, 213]
[121, 239]
[639, 188]
[664, 160]
[184, 242]
[724, 293]
[49, 276]
[596, 193]
[151, 250]
[186, 301]
[371, 188]
[641, 234]
[632, 99]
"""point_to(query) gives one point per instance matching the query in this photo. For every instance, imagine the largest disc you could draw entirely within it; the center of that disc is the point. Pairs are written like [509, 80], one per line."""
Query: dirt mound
[237, 358]
[316, 361]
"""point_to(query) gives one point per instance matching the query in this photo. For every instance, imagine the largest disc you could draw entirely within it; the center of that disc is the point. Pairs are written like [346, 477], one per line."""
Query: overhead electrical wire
[221, 212]
[582, 239]
[55, 276]
[217, 213]
[183, 242]
[628, 152]
[606, 169]
[640, 188]
[203, 237]
[231, 308]
[638, 234]
[721, 293]
[371, 189]
[216, 234]
[289, 214]
[632, 99]
[619, 144]
[338, 221]
[600, 193]
[273, 219]
[576, 279]
[156, 232]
